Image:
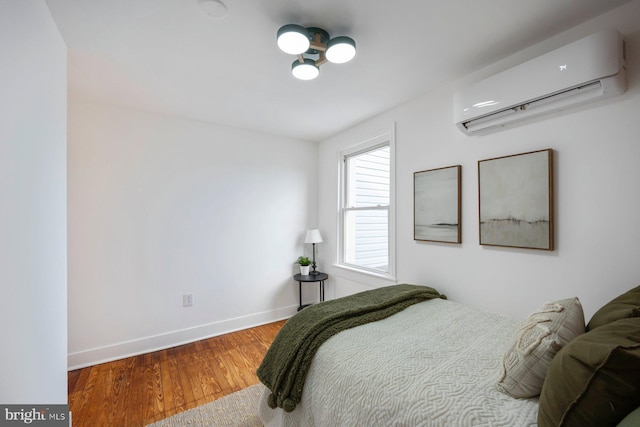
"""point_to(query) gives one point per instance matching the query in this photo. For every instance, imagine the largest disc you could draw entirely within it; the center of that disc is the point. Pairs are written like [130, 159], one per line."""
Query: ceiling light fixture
[313, 47]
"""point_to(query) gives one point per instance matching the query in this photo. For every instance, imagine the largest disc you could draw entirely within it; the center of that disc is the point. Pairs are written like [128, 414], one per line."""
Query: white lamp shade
[313, 236]
[340, 50]
[307, 70]
[293, 39]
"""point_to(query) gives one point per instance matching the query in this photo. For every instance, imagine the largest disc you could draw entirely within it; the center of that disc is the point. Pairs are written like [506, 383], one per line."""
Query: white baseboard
[121, 350]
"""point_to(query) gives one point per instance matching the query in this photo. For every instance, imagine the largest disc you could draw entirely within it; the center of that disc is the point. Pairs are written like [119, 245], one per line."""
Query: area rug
[239, 409]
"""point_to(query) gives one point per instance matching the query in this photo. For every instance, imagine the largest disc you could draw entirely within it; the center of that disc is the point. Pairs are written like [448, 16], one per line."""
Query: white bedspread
[434, 364]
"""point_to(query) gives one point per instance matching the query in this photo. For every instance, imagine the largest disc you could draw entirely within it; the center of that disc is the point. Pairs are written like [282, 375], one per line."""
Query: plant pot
[304, 270]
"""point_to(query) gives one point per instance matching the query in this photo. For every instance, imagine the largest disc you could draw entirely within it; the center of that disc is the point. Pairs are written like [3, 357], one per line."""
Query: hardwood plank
[192, 369]
[72, 380]
[168, 390]
[241, 378]
[102, 386]
[83, 403]
[183, 373]
[220, 372]
[135, 393]
[210, 386]
[113, 397]
[77, 388]
[128, 394]
[153, 395]
[177, 389]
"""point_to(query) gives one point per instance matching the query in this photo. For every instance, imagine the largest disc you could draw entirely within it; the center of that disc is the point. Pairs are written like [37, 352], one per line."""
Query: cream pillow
[541, 335]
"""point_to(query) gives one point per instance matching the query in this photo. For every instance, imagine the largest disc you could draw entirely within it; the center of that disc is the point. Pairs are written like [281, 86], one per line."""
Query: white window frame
[386, 139]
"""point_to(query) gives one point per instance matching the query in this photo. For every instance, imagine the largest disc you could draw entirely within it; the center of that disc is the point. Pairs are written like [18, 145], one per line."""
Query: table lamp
[313, 237]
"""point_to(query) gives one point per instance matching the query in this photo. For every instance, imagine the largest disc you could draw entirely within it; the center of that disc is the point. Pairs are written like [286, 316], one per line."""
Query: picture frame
[515, 199]
[437, 205]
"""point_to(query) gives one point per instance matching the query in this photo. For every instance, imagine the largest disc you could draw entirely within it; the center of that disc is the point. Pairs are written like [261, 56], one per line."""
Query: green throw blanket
[284, 368]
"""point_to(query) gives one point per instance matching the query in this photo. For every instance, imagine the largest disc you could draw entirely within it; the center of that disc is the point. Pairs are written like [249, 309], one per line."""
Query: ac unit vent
[580, 72]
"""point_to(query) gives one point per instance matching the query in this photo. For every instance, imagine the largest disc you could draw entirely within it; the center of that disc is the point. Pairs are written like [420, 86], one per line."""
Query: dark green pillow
[595, 379]
[622, 307]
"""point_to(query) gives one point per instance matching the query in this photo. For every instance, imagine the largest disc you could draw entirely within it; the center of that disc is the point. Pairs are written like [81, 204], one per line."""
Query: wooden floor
[143, 389]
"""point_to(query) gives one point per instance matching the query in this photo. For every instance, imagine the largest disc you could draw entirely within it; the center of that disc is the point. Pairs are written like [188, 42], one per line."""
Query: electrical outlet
[187, 300]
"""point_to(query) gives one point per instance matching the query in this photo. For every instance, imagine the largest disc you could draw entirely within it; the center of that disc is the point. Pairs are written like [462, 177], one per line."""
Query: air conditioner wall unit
[583, 71]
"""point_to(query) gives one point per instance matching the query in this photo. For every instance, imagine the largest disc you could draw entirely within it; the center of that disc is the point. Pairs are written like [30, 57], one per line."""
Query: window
[366, 209]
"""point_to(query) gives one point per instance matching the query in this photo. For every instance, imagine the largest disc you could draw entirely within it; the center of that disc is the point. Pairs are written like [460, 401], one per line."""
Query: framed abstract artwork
[437, 205]
[516, 200]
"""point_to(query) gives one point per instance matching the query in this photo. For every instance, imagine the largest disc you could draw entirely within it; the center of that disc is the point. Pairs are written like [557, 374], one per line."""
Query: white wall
[596, 154]
[160, 206]
[33, 262]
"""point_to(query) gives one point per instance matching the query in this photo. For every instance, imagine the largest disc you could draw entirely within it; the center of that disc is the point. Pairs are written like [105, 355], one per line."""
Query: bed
[437, 363]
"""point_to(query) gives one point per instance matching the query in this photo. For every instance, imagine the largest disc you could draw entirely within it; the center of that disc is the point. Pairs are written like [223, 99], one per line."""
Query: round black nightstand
[310, 278]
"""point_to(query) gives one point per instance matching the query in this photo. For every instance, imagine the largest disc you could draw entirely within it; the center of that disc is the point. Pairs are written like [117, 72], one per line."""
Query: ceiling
[169, 56]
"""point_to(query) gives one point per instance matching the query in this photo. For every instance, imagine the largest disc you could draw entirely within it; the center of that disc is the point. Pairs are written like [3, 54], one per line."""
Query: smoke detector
[214, 8]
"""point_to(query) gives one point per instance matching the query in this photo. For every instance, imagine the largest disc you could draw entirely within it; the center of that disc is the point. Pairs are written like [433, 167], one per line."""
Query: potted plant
[304, 265]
